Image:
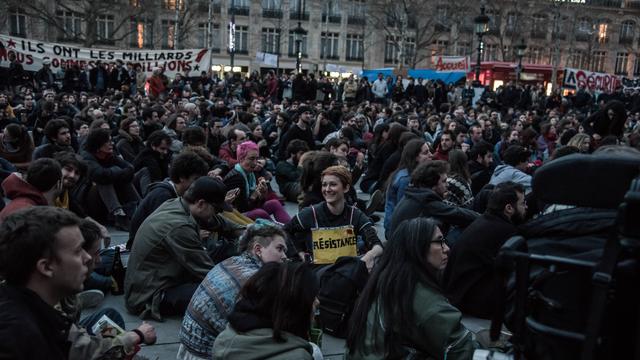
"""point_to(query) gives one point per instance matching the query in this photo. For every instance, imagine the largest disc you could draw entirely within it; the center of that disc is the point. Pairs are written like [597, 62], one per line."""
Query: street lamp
[520, 50]
[232, 35]
[299, 33]
[482, 27]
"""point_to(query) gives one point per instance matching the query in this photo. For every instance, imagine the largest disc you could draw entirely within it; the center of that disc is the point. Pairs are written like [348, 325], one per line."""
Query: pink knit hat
[244, 148]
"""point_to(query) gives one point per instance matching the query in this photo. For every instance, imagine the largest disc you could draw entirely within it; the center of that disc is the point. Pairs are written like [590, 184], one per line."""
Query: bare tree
[89, 12]
[411, 27]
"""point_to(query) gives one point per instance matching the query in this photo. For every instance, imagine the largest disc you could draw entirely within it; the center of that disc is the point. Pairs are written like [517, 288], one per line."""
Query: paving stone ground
[167, 331]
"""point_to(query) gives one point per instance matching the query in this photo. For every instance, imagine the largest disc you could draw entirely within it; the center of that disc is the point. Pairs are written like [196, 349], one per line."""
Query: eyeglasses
[443, 241]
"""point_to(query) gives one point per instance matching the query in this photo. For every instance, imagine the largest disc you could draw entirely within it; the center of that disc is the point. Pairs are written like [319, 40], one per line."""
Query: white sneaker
[90, 298]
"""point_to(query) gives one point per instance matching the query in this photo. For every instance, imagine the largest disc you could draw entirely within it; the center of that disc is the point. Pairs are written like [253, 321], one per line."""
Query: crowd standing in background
[197, 169]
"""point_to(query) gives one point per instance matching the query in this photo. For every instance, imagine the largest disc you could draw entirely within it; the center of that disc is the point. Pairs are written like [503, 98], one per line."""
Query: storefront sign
[575, 78]
[32, 53]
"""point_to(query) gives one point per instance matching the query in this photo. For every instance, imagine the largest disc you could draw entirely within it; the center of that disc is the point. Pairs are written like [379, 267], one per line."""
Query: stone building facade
[599, 35]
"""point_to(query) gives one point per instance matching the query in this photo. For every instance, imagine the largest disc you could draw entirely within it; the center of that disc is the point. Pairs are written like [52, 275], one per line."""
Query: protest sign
[32, 53]
[576, 78]
[451, 63]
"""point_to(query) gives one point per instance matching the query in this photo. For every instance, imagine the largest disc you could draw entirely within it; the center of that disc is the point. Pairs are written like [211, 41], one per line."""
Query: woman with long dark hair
[272, 317]
[415, 152]
[459, 180]
[393, 318]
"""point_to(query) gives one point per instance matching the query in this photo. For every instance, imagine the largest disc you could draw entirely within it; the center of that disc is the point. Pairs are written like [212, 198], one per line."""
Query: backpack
[340, 285]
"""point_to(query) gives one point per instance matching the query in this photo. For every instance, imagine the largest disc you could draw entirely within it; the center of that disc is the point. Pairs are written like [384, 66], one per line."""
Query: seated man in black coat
[469, 277]
[424, 198]
[185, 169]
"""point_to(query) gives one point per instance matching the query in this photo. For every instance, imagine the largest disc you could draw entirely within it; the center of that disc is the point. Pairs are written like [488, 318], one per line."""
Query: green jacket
[259, 344]
[437, 332]
[167, 252]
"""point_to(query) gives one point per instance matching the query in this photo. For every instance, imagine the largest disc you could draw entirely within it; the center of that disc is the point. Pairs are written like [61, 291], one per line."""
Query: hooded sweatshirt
[22, 195]
[504, 173]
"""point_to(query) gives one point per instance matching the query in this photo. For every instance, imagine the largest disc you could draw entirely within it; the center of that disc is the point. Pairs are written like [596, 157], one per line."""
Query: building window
[329, 45]
[599, 58]
[603, 35]
[489, 52]
[626, 32]
[578, 59]
[391, 50]
[539, 26]
[512, 21]
[409, 51]
[142, 34]
[537, 55]
[292, 44]
[203, 41]
[104, 27]
[356, 12]
[440, 47]
[332, 10]
[242, 39]
[17, 23]
[355, 47]
[71, 24]
[271, 4]
[297, 7]
[622, 61]
[168, 34]
[636, 66]
[271, 40]
[463, 49]
[171, 4]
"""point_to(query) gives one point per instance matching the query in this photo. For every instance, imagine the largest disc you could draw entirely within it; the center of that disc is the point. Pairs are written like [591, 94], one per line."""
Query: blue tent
[372, 74]
[427, 74]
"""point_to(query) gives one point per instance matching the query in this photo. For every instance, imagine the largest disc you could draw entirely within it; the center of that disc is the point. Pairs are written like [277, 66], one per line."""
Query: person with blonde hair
[582, 142]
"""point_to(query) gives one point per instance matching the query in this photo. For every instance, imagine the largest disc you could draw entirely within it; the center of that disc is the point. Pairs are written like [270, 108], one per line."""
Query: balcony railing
[294, 15]
[559, 36]
[354, 58]
[293, 55]
[334, 19]
[239, 10]
[354, 20]
[272, 13]
[330, 57]
[442, 28]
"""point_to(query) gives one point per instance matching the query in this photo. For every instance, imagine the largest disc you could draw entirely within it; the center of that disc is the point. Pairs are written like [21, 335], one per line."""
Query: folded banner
[32, 53]
[575, 78]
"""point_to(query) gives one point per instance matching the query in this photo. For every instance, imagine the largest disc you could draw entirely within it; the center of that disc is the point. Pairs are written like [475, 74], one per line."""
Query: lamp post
[232, 35]
[482, 27]
[520, 50]
[299, 33]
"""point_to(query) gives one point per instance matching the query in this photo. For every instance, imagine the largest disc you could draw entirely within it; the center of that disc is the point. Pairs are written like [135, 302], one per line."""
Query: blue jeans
[100, 277]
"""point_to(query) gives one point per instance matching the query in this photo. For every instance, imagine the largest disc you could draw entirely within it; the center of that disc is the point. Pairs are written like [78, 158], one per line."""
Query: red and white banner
[451, 63]
[31, 54]
[576, 78]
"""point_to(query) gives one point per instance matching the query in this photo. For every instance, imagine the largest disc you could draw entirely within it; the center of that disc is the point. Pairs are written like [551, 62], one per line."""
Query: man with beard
[480, 165]
[59, 135]
[469, 277]
[300, 130]
[288, 173]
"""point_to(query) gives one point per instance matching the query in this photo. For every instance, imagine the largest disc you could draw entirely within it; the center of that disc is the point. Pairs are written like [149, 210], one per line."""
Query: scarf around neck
[249, 180]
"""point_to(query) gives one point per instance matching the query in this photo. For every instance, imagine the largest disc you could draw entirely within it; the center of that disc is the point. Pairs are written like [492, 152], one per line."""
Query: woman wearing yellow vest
[332, 228]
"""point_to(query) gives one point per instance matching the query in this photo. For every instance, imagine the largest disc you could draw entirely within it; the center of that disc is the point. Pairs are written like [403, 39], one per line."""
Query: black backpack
[340, 286]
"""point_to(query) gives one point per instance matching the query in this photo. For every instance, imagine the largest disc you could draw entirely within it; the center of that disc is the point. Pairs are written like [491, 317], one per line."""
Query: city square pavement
[167, 345]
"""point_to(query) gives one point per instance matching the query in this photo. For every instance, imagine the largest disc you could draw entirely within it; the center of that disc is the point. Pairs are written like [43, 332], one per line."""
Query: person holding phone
[252, 197]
